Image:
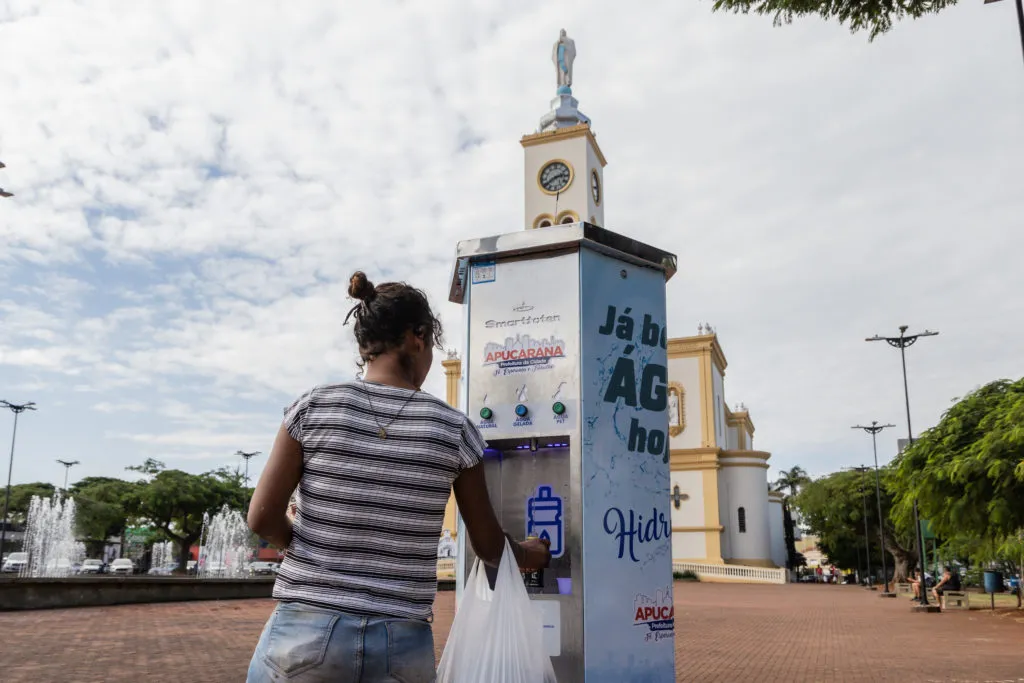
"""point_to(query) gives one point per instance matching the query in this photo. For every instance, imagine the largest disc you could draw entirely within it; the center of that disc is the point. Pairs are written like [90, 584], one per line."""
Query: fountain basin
[55, 593]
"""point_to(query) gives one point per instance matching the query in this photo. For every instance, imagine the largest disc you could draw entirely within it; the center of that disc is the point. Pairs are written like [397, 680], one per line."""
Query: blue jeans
[309, 645]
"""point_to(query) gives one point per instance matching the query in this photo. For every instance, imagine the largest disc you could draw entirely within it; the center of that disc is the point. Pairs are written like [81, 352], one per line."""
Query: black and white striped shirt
[370, 510]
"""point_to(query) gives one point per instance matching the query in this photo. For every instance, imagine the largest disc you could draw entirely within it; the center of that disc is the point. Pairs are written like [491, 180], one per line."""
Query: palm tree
[792, 480]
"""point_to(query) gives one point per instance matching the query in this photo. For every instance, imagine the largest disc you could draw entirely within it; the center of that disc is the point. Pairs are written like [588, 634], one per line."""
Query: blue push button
[522, 410]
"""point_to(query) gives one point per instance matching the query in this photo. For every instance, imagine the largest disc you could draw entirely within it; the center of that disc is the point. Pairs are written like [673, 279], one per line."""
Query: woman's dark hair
[385, 314]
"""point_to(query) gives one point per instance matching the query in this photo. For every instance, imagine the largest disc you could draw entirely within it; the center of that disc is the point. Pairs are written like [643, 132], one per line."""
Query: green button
[486, 413]
[559, 408]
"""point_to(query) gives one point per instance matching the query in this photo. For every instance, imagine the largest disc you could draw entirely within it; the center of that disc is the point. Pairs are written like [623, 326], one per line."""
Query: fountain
[163, 555]
[228, 548]
[50, 538]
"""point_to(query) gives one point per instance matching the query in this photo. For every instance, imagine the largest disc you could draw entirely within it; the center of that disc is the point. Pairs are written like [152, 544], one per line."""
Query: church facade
[723, 512]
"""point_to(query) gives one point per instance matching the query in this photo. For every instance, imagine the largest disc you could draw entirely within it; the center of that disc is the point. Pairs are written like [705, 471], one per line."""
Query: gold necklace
[382, 432]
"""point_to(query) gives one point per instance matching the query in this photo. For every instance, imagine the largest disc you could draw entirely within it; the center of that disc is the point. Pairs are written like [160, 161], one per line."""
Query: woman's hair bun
[361, 288]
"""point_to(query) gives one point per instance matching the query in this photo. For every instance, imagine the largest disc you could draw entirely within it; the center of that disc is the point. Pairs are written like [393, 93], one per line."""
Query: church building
[727, 525]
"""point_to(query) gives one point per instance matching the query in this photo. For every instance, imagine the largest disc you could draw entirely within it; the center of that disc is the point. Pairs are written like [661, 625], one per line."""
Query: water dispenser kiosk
[566, 373]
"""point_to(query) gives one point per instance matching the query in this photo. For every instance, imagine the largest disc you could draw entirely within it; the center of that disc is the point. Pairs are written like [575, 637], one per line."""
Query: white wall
[688, 546]
[777, 529]
[686, 371]
[577, 196]
[747, 488]
[718, 385]
[726, 514]
[690, 512]
[595, 211]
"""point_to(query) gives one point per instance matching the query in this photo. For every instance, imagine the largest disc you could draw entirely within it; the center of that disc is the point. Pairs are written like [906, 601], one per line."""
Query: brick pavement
[729, 633]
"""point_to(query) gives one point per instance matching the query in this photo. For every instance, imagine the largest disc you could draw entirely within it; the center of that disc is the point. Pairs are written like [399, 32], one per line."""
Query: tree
[21, 498]
[875, 16]
[833, 509]
[100, 510]
[174, 501]
[794, 560]
[791, 480]
[967, 472]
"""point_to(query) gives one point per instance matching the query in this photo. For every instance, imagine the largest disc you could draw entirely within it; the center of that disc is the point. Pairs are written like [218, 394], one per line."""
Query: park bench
[956, 600]
[904, 589]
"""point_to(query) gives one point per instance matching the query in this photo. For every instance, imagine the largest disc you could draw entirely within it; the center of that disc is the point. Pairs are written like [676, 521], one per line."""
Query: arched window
[741, 517]
[545, 220]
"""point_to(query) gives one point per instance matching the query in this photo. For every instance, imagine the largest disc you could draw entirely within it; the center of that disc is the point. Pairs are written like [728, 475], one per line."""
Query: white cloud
[195, 183]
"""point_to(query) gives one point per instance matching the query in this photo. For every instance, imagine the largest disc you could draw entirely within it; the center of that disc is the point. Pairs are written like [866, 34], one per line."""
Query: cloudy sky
[195, 182]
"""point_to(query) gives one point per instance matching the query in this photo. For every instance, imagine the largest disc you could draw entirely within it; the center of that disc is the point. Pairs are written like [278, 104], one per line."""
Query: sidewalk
[727, 633]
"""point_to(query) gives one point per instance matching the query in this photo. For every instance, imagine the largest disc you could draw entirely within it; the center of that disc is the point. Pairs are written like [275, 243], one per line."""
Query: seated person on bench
[950, 582]
[915, 584]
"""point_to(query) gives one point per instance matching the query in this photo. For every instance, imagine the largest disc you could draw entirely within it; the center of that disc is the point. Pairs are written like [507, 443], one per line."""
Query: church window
[567, 218]
[741, 517]
[545, 220]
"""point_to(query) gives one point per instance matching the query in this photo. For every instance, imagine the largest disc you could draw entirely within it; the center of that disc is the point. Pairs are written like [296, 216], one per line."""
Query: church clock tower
[564, 166]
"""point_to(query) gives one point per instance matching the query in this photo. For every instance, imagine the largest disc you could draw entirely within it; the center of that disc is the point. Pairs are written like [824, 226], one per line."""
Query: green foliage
[21, 497]
[100, 505]
[875, 16]
[792, 480]
[174, 501]
[685, 576]
[967, 472]
[833, 507]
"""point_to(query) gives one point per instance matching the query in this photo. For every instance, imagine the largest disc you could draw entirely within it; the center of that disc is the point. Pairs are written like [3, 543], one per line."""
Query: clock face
[595, 187]
[555, 177]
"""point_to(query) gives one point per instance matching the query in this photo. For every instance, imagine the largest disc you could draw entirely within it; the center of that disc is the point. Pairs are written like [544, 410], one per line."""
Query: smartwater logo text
[522, 321]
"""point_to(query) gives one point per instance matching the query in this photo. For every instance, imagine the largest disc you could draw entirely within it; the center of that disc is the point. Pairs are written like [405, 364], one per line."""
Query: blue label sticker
[483, 273]
[544, 519]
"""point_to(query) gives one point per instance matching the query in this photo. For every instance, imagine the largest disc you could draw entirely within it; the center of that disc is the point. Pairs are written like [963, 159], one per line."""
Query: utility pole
[874, 430]
[68, 464]
[17, 409]
[902, 342]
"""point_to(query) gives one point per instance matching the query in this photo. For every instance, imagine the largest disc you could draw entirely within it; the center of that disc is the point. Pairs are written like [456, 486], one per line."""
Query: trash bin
[993, 582]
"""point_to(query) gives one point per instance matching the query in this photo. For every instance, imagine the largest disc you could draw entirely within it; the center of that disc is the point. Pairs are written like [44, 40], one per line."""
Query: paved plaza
[731, 633]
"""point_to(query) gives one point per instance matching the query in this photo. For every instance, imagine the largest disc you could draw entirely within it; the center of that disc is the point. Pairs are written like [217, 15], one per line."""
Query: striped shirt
[370, 510]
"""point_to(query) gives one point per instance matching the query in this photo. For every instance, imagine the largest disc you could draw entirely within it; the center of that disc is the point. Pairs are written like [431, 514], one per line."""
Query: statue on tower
[563, 54]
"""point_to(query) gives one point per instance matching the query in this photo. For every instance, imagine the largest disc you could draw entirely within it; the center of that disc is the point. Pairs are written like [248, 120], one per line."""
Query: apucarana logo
[658, 614]
[524, 352]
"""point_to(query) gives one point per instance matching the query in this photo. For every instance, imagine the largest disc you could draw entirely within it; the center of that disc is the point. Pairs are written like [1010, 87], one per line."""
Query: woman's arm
[268, 508]
[485, 533]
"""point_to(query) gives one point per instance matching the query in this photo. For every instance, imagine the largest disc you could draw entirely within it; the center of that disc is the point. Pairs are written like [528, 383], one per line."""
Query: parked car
[122, 565]
[15, 562]
[92, 567]
[263, 568]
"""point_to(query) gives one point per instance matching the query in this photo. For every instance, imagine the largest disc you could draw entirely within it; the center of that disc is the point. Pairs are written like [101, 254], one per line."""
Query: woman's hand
[536, 554]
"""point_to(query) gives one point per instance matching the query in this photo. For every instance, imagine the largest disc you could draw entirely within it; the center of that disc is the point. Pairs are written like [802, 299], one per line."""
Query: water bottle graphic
[544, 519]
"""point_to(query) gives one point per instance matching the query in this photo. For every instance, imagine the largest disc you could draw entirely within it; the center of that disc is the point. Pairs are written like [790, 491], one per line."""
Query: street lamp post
[1020, 19]
[874, 430]
[5, 194]
[68, 464]
[247, 457]
[867, 538]
[902, 342]
[17, 409]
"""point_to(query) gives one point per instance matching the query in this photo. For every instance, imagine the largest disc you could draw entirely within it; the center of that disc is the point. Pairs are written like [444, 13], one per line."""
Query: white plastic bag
[497, 636]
